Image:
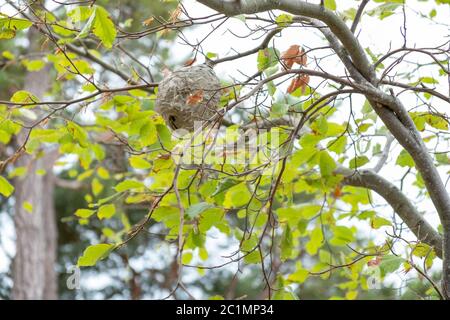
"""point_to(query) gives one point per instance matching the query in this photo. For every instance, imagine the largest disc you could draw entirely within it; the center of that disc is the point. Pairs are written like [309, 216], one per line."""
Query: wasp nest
[188, 95]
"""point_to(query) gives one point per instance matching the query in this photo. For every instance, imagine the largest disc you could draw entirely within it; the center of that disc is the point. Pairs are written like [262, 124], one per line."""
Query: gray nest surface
[188, 95]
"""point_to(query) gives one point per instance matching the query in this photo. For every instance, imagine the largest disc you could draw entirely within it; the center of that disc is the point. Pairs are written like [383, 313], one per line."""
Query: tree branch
[384, 153]
[358, 15]
[398, 201]
[337, 26]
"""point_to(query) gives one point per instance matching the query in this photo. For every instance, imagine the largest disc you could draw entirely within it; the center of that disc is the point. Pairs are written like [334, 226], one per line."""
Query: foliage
[288, 210]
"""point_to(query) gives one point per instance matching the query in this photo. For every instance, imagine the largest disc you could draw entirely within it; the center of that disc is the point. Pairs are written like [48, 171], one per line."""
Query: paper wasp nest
[187, 95]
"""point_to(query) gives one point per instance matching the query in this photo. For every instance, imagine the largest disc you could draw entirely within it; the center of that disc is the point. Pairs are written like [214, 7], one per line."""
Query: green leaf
[419, 120]
[327, 164]
[338, 145]
[78, 133]
[237, 196]
[315, 241]
[386, 9]
[293, 215]
[325, 257]
[249, 247]
[8, 55]
[358, 161]
[148, 134]
[165, 136]
[378, 222]
[6, 189]
[267, 58]
[93, 254]
[349, 13]
[103, 173]
[106, 211]
[320, 125]
[303, 155]
[196, 209]
[284, 20]
[7, 34]
[342, 236]
[300, 275]
[27, 206]
[390, 263]
[80, 13]
[128, 185]
[187, 257]
[224, 185]
[330, 4]
[279, 109]
[433, 13]
[253, 257]
[104, 28]
[367, 108]
[17, 172]
[9, 26]
[429, 80]
[33, 65]
[286, 243]
[87, 27]
[14, 23]
[97, 187]
[23, 96]
[405, 160]
[351, 295]
[84, 213]
[421, 250]
[209, 218]
[139, 163]
[437, 122]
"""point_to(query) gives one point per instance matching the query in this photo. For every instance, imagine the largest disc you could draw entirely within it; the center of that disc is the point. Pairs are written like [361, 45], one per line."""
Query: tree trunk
[34, 272]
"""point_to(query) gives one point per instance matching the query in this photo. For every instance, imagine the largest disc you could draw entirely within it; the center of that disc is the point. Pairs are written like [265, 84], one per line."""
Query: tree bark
[34, 273]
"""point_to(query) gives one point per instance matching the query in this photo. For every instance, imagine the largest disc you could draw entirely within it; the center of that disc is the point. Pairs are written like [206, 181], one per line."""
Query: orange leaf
[190, 62]
[374, 262]
[294, 54]
[337, 193]
[165, 156]
[175, 15]
[301, 59]
[301, 81]
[195, 98]
[289, 55]
[148, 21]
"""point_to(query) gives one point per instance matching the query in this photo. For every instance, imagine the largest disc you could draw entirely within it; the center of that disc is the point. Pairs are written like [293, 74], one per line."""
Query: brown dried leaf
[148, 21]
[190, 62]
[289, 55]
[301, 59]
[175, 15]
[301, 81]
[195, 98]
[165, 156]
[294, 54]
[375, 262]
[337, 193]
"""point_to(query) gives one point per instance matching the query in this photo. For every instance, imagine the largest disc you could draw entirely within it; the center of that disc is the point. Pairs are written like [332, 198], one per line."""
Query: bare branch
[398, 201]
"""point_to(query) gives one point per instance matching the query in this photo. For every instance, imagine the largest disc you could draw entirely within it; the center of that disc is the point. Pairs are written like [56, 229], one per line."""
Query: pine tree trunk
[34, 272]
